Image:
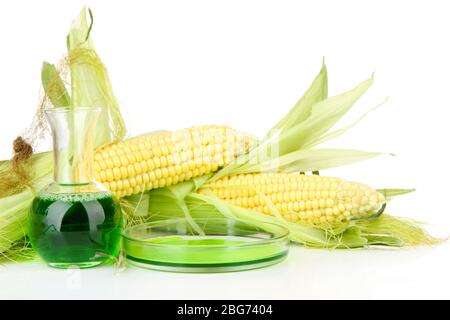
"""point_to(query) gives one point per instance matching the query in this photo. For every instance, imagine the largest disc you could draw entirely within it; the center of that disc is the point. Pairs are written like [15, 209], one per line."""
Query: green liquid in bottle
[75, 229]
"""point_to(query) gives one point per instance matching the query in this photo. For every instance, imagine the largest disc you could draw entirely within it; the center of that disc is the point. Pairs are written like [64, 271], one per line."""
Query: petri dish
[205, 245]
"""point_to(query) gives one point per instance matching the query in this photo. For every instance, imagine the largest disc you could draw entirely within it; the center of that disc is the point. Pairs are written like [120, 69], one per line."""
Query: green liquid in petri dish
[203, 251]
[75, 229]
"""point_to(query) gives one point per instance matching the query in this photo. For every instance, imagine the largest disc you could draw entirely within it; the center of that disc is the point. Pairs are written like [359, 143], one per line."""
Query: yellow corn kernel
[153, 160]
[305, 199]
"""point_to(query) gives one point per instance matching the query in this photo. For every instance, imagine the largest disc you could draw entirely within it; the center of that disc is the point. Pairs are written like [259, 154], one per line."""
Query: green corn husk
[90, 84]
[89, 87]
[288, 145]
[14, 209]
[54, 86]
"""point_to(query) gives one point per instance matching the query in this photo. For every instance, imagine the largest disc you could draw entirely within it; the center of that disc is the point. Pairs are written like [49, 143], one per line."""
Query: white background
[174, 64]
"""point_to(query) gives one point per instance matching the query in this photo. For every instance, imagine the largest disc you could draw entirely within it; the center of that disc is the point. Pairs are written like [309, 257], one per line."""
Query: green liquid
[79, 229]
[202, 251]
[198, 242]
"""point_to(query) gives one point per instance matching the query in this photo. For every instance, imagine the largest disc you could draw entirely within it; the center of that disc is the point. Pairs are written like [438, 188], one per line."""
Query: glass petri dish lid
[205, 245]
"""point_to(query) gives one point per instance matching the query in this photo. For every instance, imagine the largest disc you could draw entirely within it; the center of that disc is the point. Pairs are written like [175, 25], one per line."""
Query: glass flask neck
[73, 146]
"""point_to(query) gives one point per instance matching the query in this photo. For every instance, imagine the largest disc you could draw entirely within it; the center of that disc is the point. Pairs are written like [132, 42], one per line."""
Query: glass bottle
[74, 221]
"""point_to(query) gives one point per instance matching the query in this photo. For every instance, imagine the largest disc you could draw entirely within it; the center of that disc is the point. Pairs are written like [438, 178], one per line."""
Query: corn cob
[309, 199]
[166, 158]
